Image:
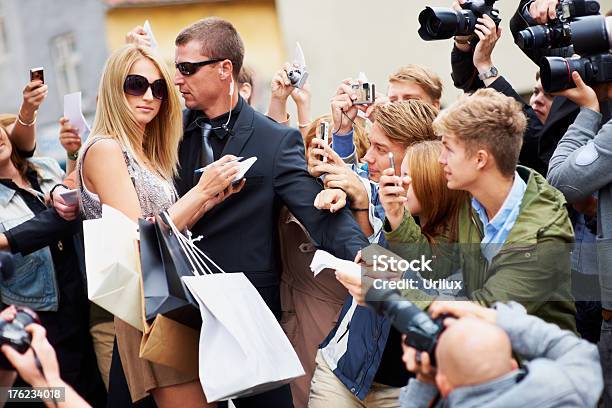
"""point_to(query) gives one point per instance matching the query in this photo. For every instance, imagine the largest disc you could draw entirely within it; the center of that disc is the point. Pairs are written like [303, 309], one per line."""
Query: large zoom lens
[421, 331]
[440, 23]
[556, 72]
[589, 35]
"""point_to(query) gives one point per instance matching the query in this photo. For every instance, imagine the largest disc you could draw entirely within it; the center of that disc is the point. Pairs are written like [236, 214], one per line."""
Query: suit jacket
[241, 234]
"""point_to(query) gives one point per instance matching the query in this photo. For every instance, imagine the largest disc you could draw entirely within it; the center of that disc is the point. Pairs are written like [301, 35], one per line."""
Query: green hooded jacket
[532, 267]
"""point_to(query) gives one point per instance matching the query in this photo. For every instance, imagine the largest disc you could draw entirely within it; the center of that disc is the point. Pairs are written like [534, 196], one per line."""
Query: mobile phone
[37, 73]
[392, 162]
[324, 134]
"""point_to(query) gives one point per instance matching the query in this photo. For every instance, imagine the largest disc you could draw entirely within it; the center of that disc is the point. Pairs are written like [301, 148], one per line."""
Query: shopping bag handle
[195, 256]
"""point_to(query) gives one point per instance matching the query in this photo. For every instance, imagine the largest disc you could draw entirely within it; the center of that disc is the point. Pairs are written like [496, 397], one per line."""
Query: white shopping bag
[111, 258]
[243, 350]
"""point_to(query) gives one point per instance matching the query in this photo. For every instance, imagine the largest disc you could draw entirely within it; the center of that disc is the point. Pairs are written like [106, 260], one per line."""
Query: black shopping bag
[163, 263]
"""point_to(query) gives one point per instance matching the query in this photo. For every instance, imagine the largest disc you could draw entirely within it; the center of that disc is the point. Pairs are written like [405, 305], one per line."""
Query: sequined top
[155, 194]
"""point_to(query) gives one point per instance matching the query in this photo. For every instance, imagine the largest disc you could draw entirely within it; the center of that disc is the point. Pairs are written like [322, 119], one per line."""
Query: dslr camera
[578, 24]
[366, 93]
[422, 332]
[297, 76]
[441, 23]
[580, 29]
[14, 334]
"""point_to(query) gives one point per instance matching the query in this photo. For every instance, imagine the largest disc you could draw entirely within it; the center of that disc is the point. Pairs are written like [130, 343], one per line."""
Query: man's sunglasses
[190, 68]
[137, 85]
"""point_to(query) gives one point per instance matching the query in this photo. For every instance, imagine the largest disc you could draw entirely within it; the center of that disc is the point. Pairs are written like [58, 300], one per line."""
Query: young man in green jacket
[513, 237]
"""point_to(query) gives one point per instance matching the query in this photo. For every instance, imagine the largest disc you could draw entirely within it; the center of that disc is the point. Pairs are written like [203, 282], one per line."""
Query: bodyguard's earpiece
[231, 89]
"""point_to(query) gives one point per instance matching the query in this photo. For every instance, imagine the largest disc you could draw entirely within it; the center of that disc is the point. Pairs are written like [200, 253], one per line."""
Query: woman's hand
[218, 176]
[281, 86]
[319, 149]
[34, 94]
[69, 136]
[138, 36]
[222, 196]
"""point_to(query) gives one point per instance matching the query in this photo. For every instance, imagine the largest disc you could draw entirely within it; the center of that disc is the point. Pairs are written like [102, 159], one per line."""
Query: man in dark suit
[240, 234]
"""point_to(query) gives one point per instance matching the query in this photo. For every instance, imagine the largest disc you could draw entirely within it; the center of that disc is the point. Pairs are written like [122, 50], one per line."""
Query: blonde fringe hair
[422, 76]
[115, 119]
[407, 122]
[486, 119]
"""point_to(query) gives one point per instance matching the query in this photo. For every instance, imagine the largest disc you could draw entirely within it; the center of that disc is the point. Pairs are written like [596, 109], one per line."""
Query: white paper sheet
[149, 30]
[323, 260]
[74, 113]
[299, 55]
[244, 167]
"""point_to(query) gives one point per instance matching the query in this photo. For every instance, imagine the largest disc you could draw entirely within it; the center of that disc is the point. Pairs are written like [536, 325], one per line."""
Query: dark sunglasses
[190, 68]
[137, 85]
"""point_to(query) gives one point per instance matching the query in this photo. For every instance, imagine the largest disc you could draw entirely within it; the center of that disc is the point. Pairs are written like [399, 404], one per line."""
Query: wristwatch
[490, 73]
[73, 156]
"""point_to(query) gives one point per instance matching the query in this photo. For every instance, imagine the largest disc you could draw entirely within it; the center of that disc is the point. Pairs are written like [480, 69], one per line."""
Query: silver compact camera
[366, 93]
[297, 76]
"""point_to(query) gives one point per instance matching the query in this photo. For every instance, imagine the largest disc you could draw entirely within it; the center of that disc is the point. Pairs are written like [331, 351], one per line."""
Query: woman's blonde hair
[114, 117]
[362, 143]
[439, 205]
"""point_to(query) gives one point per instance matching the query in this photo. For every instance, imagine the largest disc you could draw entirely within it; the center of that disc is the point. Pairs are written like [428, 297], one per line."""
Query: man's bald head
[472, 351]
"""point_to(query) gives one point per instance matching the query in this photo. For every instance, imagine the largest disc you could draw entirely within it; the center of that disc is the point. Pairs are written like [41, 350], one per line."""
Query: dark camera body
[440, 23]
[587, 35]
[14, 334]
[579, 28]
[422, 332]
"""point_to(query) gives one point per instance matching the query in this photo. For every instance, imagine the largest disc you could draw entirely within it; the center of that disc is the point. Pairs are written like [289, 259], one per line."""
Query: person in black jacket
[472, 69]
[240, 234]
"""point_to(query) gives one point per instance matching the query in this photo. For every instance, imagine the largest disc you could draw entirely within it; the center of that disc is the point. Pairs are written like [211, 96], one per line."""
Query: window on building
[66, 61]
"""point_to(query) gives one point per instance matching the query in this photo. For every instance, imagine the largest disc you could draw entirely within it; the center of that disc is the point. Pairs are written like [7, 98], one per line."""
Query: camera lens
[438, 23]
[533, 37]
[556, 72]
[590, 35]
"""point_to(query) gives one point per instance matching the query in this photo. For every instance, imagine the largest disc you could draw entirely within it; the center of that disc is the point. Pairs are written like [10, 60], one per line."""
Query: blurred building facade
[67, 39]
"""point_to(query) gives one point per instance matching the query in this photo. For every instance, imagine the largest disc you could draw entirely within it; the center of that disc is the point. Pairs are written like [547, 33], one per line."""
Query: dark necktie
[207, 156]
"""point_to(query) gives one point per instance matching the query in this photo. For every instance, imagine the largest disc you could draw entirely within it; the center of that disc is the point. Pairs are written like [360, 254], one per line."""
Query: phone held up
[37, 74]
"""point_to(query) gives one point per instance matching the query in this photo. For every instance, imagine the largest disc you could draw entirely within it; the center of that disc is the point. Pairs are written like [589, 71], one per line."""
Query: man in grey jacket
[475, 367]
[580, 167]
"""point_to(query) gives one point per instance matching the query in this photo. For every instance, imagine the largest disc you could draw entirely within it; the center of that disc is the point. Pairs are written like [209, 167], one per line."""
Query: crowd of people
[512, 198]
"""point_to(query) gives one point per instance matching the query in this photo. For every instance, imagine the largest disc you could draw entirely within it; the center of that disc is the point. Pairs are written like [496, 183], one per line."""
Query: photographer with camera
[548, 119]
[580, 167]
[38, 364]
[282, 88]
[481, 371]
[473, 68]
[408, 82]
